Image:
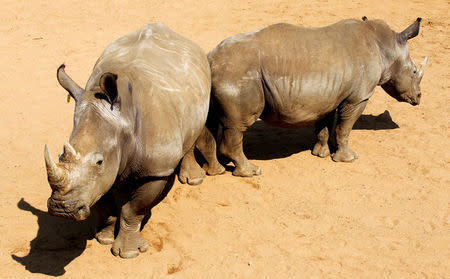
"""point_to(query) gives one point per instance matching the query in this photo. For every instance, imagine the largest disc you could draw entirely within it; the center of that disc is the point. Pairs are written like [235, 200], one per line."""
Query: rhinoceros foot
[192, 174]
[247, 170]
[106, 235]
[214, 169]
[128, 245]
[344, 155]
[321, 150]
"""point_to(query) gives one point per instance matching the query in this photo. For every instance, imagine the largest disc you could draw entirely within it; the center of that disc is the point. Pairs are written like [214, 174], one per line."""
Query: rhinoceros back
[303, 73]
[170, 77]
[158, 55]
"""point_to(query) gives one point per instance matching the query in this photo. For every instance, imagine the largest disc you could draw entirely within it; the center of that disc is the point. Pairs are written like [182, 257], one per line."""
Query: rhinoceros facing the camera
[143, 108]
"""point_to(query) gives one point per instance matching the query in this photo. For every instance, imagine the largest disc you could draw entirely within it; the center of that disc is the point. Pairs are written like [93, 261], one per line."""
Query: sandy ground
[384, 216]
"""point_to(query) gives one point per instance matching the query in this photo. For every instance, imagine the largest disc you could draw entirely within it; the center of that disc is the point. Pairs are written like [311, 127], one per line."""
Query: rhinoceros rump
[143, 108]
[291, 76]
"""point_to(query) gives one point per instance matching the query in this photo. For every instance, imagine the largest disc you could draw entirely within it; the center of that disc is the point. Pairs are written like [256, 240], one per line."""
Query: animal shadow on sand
[265, 142]
[57, 243]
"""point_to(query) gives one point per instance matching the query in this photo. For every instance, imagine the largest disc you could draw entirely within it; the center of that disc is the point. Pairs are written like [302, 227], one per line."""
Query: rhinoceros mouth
[81, 214]
[58, 208]
[410, 100]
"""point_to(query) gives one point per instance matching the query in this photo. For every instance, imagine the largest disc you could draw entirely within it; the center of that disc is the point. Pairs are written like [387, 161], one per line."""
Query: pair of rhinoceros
[146, 105]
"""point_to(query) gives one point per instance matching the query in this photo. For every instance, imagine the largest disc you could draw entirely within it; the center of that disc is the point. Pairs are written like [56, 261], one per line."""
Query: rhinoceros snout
[67, 209]
[415, 101]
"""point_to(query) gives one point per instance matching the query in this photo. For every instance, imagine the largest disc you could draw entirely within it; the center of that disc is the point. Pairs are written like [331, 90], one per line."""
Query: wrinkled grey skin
[291, 76]
[142, 110]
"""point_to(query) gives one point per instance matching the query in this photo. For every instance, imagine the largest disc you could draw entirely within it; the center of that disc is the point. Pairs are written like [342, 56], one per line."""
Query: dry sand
[384, 216]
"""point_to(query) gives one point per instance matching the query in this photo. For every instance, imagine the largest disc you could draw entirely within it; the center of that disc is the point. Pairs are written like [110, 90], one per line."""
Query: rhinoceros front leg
[106, 234]
[348, 113]
[129, 241]
[106, 211]
[231, 146]
[323, 130]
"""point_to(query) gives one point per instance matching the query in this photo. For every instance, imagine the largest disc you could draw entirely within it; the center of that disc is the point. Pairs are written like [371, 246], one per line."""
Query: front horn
[55, 175]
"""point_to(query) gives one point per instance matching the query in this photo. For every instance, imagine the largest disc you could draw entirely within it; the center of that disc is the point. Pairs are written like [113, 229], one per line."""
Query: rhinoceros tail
[212, 121]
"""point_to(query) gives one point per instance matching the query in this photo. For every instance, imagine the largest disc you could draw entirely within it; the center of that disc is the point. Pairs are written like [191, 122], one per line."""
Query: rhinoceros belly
[299, 99]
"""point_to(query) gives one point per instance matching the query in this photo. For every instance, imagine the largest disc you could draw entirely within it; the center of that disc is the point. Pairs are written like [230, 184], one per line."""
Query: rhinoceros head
[90, 161]
[405, 76]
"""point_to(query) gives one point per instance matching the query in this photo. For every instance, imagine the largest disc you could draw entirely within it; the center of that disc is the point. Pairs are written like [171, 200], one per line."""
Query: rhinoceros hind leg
[348, 113]
[231, 146]
[323, 130]
[206, 144]
[190, 172]
[106, 235]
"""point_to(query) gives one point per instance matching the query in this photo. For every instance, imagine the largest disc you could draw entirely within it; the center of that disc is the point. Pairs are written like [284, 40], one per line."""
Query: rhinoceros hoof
[214, 169]
[194, 181]
[129, 245]
[247, 171]
[347, 155]
[193, 176]
[189, 180]
[321, 150]
[105, 236]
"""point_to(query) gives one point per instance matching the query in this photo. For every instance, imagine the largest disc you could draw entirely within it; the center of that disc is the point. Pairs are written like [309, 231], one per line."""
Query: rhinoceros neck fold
[385, 41]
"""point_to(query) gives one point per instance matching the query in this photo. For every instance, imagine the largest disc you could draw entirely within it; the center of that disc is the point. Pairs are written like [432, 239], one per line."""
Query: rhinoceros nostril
[55, 204]
[82, 213]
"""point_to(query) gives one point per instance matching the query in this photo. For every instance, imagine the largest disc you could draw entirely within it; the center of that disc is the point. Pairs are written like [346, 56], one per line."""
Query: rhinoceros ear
[67, 83]
[108, 84]
[410, 32]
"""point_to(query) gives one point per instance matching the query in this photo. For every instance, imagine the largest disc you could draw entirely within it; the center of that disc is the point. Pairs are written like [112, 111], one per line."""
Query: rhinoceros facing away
[143, 107]
[290, 76]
